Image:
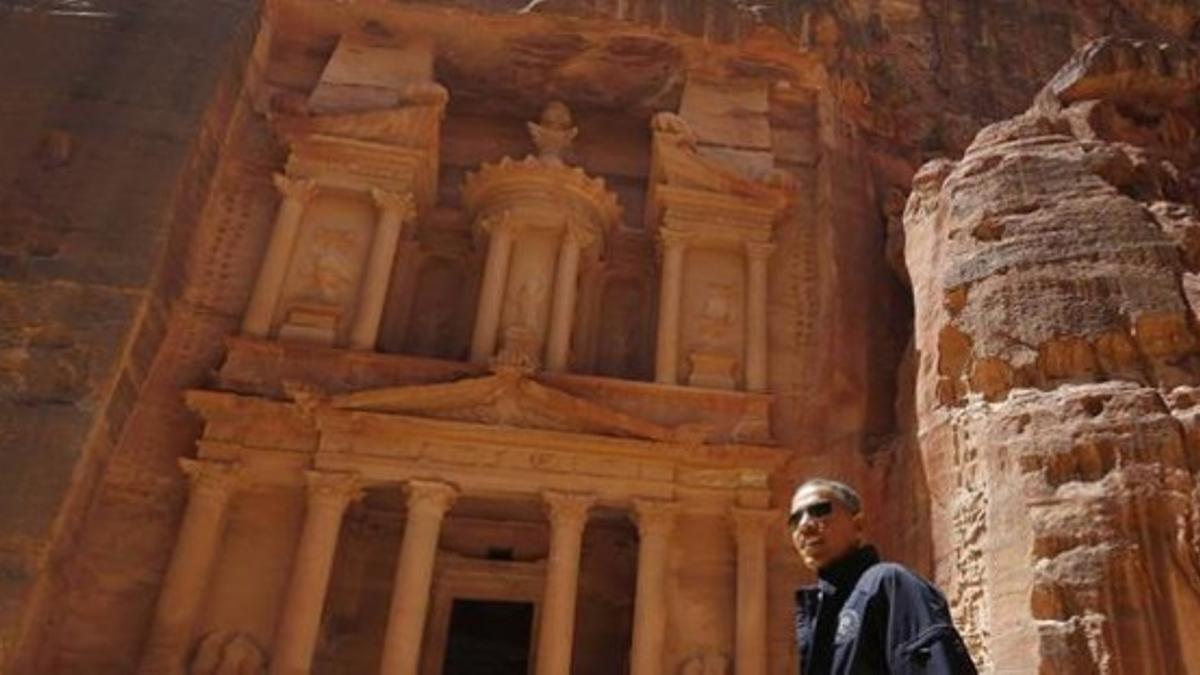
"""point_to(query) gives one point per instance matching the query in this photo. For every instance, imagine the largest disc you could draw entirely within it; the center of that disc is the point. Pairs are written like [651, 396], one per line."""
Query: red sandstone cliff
[1057, 362]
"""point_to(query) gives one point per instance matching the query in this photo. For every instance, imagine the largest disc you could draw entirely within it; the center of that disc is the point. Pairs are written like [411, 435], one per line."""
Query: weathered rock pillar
[328, 496]
[556, 633]
[491, 295]
[655, 522]
[427, 504]
[562, 313]
[750, 528]
[212, 484]
[394, 210]
[297, 193]
[666, 367]
[1057, 364]
[757, 255]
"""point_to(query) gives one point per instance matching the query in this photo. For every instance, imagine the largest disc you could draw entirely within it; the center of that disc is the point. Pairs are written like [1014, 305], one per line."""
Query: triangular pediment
[510, 399]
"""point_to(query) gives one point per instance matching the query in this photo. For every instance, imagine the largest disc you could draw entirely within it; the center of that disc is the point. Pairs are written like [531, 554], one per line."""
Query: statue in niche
[225, 652]
[528, 303]
[712, 364]
[716, 313]
[330, 265]
[712, 663]
[554, 133]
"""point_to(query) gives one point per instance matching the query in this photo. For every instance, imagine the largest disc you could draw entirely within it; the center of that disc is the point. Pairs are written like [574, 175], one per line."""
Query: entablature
[277, 440]
[271, 369]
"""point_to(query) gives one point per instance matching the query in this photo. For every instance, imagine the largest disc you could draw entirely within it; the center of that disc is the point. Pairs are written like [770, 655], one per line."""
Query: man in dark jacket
[864, 616]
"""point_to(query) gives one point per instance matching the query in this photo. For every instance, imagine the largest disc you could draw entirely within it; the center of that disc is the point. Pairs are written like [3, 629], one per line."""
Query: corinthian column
[211, 486]
[427, 504]
[328, 496]
[491, 295]
[655, 522]
[297, 193]
[757, 254]
[563, 310]
[750, 528]
[666, 365]
[394, 210]
[556, 632]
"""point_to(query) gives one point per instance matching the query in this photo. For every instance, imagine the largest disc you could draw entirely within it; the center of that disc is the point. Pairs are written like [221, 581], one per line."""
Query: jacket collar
[844, 572]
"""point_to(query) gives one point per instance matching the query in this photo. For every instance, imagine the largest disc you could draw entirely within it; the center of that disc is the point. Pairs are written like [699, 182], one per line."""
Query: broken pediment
[512, 398]
[681, 177]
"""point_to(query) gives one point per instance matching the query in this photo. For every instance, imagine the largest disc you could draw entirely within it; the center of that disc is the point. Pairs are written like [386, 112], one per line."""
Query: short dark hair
[847, 495]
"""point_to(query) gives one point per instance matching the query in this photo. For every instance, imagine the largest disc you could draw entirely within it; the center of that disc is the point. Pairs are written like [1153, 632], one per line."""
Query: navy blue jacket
[865, 616]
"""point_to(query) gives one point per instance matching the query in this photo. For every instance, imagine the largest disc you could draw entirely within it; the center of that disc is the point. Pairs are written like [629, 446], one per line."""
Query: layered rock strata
[1057, 369]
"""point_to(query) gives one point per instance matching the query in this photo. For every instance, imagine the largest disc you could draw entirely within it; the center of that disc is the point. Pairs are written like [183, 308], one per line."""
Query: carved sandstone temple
[479, 404]
[490, 337]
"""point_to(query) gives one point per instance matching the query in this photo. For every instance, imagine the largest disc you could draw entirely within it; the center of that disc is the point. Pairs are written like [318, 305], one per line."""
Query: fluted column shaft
[655, 521]
[666, 368]
[750, 528]
[212, 484]
[556, 631]
[427, 505]
[562, 313]
[297, 193]
[296, 638]
[491, 294]
[394, 210]
[757, 254]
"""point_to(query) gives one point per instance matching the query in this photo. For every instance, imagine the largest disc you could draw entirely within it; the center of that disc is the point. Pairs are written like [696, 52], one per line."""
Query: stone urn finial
[554, 132]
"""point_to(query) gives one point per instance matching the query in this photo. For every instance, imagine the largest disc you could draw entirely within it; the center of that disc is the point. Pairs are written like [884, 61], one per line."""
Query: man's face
[823, 530]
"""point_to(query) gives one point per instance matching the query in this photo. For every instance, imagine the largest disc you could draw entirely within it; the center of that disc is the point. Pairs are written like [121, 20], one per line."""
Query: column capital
[335, 488]
[578, 233]
[567, 509]
[499, 224]
[759, 250]
[216, 479]
[430, 495]
[673, 238]
[752, 524]
[655, 516]
[400, 203]
[300, 189]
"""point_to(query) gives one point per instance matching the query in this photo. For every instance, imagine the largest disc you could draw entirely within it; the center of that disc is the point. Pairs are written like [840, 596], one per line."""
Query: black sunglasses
[816, 511]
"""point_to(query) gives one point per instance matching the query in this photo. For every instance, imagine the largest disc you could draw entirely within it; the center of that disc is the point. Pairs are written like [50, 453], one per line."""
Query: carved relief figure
[528, 301]
[716, 313]
[331, 265]
[228, 653]
[554, 133]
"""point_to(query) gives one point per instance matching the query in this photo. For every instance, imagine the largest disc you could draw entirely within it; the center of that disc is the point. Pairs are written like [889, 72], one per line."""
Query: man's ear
[860, 523]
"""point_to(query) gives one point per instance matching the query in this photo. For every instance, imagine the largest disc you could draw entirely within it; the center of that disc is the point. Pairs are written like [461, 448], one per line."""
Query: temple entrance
[489, 637]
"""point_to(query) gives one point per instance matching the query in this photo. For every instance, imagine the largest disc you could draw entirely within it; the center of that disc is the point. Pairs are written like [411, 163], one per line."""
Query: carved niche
[362, 163]
[715, 230]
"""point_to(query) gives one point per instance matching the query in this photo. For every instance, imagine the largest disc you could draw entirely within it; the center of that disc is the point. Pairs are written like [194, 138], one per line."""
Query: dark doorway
[489, 638]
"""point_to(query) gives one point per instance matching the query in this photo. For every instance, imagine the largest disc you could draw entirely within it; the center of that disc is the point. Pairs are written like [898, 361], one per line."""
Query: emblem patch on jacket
[847, 628]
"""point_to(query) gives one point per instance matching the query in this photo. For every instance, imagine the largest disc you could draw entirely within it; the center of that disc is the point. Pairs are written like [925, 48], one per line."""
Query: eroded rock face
[1057, 362]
